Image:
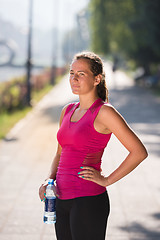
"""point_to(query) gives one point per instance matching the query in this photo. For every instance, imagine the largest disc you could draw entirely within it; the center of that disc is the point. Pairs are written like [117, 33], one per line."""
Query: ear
[97, 79]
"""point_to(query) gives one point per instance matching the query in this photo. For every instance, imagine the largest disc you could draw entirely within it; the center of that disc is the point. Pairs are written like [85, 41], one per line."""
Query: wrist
[107, 183]
[45, 182]
[52, 176]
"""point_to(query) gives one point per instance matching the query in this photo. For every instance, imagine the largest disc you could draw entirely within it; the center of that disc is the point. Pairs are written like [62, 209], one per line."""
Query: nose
[74, 77]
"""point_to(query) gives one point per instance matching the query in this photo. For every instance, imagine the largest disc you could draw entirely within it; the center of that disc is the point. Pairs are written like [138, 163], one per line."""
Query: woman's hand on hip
[93, 175]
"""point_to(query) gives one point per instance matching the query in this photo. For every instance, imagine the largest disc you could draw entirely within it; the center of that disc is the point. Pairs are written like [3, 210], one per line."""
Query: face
[82, 80]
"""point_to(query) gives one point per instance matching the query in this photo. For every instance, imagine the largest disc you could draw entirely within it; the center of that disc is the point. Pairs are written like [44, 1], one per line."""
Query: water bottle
[50, 204]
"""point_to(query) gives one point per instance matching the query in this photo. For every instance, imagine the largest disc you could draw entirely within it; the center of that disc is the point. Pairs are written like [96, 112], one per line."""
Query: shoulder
[107, 109]
[66, 109]
[109, 114]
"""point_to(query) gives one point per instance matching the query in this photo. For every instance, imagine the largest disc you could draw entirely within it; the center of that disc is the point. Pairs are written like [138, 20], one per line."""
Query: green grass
[38, 95]
[8, 120]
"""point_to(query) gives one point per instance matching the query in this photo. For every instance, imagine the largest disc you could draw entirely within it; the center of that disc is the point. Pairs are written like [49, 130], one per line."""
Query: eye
[81, 74]
[71, 73]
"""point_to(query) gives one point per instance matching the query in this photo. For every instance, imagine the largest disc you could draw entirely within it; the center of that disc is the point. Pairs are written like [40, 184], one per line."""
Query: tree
[127, 27]
[98, 12]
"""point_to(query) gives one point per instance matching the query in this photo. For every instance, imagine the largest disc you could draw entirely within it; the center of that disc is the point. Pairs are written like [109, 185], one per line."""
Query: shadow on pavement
[142, 111]
[136, 104]
[143, 232]
[53, 113]
[8, 139]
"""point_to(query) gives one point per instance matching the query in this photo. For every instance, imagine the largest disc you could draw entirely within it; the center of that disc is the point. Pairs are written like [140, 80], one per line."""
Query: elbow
[144, 154]
[140, 154]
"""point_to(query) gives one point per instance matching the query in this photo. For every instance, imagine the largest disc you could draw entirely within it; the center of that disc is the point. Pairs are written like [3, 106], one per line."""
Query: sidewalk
[26, 155]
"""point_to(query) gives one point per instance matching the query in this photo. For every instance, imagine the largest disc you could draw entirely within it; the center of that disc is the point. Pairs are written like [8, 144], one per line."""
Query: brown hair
[96, 66]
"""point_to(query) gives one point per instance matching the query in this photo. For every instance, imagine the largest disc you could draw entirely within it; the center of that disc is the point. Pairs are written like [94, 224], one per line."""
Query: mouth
[75, 86]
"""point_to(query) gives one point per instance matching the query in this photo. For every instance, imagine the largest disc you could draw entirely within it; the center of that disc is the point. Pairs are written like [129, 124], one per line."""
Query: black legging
[83, 218]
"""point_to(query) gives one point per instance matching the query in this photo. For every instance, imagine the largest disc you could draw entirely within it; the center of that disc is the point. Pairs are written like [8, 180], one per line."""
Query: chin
[75, 92]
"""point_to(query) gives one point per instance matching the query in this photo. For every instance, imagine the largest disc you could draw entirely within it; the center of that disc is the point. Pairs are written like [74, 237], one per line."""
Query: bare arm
[137, 151]
[54, 165]
[114, 122]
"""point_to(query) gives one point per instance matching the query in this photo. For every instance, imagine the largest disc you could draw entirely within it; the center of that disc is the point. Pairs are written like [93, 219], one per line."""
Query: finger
[42, 195]
[85, 172]
[43, 199]
[88, 168]
[88, 178]
[86, 175]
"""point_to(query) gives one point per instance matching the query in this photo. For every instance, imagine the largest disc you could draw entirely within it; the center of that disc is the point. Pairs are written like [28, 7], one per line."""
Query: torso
[81, 145]
[98, 123]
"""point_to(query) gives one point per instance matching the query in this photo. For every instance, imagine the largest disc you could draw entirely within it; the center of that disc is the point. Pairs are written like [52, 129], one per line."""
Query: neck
[86, 101]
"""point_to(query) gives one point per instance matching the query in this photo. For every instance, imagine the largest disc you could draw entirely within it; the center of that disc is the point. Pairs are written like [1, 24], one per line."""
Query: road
[27, 152]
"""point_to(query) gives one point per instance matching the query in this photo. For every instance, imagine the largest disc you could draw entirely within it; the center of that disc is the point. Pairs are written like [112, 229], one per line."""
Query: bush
[13, 93]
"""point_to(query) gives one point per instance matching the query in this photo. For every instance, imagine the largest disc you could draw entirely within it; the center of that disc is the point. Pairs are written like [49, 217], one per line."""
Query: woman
[82, 204]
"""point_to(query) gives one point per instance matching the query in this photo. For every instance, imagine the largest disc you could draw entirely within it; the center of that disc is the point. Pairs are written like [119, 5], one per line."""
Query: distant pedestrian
[82, 204]
[115, 64]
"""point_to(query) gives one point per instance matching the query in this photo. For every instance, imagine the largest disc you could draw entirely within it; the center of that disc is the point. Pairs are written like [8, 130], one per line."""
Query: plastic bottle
[50, 204]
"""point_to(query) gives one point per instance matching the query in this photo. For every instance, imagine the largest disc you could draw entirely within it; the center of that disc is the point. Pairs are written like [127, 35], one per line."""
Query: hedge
[13, 93]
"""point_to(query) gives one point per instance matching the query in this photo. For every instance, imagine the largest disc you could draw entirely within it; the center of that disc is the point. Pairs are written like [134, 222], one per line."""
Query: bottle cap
[50, 181]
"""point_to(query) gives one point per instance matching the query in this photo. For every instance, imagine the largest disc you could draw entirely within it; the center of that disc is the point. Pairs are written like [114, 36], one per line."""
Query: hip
[98, 202]
[73, 187]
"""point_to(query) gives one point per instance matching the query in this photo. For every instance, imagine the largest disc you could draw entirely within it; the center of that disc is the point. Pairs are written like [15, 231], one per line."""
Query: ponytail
[102, 90]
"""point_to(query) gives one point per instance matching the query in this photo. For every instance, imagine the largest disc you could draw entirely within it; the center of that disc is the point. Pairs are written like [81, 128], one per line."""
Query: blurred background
[38, 40]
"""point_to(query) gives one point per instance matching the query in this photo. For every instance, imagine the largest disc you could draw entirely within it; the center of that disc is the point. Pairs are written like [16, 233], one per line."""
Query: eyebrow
[78, 71]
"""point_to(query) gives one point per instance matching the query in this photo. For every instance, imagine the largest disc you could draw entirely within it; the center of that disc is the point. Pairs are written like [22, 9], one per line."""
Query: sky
[46, 13]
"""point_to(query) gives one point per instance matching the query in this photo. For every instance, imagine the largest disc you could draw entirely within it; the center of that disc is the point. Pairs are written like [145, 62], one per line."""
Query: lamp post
[29, 54]
[56, 39]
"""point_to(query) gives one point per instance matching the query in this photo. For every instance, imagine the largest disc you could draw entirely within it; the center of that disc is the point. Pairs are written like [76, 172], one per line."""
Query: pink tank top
[81, 145]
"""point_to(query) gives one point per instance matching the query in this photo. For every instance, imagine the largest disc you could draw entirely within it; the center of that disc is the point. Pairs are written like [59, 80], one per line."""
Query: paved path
[27, 152]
